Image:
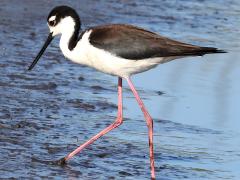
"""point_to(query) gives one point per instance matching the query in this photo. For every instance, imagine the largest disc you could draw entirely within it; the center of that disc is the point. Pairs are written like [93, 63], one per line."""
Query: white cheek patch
[65, 25]
[55, 30]
[52, 18]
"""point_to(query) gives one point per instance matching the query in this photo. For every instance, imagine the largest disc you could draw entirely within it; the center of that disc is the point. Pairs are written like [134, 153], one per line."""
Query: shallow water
[46, 113]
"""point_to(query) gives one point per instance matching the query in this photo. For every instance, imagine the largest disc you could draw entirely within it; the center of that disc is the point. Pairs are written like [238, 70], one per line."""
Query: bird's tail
[209, 50]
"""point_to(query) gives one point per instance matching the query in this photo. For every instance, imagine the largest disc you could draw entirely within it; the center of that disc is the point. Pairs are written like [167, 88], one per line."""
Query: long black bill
[48, 41]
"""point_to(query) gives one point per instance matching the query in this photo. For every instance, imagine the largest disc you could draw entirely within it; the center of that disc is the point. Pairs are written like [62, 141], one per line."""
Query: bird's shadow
[61, 162]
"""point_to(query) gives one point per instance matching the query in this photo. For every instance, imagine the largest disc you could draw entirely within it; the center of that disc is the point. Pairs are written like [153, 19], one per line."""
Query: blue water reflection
[195, 102]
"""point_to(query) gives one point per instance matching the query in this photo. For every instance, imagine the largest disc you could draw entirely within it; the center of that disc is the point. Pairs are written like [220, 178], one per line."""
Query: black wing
[131, 42]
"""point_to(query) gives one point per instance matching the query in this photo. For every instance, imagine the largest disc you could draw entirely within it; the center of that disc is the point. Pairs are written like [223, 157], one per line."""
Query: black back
[131, 42]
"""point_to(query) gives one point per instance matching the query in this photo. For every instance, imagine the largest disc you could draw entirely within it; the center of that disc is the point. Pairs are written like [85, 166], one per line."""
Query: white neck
[80, 53]
[64, 42]
[67, 30]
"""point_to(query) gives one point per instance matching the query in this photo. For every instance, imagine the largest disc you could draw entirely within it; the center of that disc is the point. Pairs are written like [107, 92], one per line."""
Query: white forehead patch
[52, 18]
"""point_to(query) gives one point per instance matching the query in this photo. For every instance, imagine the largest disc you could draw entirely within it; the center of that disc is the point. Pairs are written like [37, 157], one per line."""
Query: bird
[120, 50]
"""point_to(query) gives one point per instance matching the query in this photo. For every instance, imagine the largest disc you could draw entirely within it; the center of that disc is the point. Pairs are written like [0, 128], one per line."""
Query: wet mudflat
[46, 113]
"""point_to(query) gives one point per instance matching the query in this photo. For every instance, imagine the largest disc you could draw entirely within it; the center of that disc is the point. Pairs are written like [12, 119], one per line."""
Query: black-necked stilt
[117, 49]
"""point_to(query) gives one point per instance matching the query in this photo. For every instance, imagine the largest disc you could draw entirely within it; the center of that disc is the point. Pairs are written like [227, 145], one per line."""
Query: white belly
[86, 54]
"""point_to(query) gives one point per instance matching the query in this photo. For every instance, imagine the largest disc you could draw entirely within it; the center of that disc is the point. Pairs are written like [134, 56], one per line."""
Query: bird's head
[62, 19]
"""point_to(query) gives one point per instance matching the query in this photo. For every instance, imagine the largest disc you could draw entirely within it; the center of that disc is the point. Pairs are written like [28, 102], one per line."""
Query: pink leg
[149, 124]
[118, 122]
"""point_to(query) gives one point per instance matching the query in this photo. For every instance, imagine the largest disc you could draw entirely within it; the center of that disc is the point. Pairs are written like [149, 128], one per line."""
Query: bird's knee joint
[118, 123]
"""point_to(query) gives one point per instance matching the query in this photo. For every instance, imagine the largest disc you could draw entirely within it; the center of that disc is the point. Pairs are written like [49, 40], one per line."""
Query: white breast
[86, 54]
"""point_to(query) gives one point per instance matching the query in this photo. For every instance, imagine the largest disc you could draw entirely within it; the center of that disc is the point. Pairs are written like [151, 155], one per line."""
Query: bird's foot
[61, 161]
